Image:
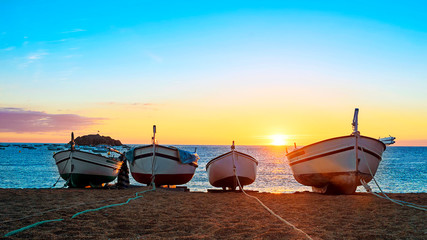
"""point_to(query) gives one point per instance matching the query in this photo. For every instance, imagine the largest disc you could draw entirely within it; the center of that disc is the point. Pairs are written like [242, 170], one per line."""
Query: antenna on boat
[233, 147]
[154, 134]
[355, 121]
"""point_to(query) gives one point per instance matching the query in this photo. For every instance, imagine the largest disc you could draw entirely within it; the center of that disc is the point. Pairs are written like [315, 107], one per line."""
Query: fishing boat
[81, 169]
[162, 165]
[223, 170]
[337, 165]
[387, 140]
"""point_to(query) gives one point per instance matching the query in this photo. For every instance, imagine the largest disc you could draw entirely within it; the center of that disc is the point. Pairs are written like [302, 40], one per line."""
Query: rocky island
[96, 139]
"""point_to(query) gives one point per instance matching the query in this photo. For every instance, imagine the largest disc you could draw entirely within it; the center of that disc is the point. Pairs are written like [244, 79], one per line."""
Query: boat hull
[221, 174]
[164, 163]
[81, 169]
[337, 165]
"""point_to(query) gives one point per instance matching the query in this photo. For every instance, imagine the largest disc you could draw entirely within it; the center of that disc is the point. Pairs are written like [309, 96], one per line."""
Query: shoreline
[199, 215]
[216, 190]
[208, 190]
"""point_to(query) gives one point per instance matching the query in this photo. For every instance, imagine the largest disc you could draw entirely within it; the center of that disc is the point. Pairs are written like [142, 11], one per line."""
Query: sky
[210, 72]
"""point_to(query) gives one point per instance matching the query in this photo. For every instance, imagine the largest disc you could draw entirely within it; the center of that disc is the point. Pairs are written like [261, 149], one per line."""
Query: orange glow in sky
[211, 73]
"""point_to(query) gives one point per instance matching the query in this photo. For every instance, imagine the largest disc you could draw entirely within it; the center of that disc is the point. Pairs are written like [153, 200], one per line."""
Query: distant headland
[96, 139]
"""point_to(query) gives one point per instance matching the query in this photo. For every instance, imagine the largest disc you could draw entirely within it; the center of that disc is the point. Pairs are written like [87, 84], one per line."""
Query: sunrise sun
[278, 140]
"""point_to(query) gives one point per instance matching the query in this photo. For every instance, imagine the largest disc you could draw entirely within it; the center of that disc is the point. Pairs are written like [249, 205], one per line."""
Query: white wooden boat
[222, 170]
[338, 164]
[162, 164]
[81, 169]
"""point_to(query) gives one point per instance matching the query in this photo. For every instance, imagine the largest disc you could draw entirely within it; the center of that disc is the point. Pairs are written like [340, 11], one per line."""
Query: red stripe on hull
[163, 179]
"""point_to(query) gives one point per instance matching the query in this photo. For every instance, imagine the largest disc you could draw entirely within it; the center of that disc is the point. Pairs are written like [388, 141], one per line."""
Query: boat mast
[153, 159]
[234, 167]
[356, 133]
[355, 122]
[72, 141]
[154, 134]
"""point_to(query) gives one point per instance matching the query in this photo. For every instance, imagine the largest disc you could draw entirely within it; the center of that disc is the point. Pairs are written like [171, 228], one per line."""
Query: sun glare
[278, 140]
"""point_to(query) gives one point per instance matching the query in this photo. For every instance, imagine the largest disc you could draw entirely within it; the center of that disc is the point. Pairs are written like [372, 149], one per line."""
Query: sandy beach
[166, 214]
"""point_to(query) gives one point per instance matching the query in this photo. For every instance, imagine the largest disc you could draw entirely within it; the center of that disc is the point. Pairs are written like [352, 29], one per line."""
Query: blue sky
[70, 56]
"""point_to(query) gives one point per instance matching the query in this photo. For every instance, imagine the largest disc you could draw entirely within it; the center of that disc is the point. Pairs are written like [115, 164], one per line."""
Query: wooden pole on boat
[115, 150]
[234, 167]
[70, 178]
[153, 174]
[356, 135]
[72, 141]
[355, 121]
[154, 134]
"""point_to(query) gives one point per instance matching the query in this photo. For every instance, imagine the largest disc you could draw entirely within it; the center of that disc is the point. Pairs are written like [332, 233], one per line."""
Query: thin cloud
[37, 55]
[73, 56]
[59, 41]
[75, 30]
[154, 57]
[25, 121]
[8, 49]
[138, 105]
[130, 104]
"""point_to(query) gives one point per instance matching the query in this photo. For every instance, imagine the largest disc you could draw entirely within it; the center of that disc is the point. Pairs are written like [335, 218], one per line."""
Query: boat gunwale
[302, 148]
[223, 155]
[115, 167]
[98, 155]
[194, 164]
[333, 152]
[157, 145]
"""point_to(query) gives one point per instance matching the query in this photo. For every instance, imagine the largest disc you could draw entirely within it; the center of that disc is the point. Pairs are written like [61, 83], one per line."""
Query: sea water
[402, 170]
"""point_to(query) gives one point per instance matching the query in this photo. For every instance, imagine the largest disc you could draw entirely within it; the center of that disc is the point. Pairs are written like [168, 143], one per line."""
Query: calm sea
[402, 170]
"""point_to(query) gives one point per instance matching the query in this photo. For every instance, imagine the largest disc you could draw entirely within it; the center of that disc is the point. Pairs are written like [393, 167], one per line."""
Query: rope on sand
[114, 205]
[30, 226]
[268, 209]
[369, 190]
[153, 177]
[62, 208]
[82, 212]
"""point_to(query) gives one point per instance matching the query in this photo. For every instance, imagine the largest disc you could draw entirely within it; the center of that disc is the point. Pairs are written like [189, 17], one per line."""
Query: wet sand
[166, 214]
